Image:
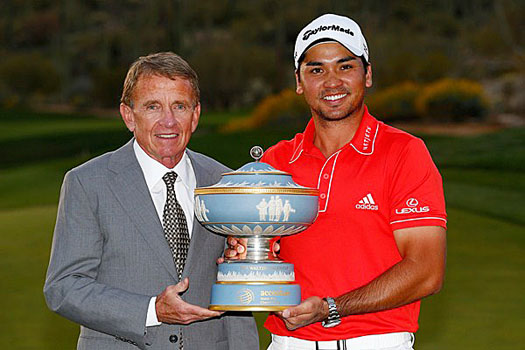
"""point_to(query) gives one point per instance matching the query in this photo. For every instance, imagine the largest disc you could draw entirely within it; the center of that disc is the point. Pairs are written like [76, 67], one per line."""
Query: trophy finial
[256, 152]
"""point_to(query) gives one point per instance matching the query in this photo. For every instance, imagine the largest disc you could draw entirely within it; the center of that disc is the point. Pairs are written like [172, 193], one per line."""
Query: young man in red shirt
[378, 245]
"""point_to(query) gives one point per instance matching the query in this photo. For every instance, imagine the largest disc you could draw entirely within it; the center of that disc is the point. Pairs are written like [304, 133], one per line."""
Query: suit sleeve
[71, 288]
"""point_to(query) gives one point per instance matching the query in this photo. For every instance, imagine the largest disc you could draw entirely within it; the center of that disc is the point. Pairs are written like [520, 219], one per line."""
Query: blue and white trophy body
[259, 203]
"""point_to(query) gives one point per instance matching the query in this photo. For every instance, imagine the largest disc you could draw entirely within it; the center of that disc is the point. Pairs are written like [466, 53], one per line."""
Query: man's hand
[311, 310]
[237, 249]
[172, 309]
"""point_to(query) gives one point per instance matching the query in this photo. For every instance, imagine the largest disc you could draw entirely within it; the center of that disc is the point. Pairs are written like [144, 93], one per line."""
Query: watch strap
[333, 316]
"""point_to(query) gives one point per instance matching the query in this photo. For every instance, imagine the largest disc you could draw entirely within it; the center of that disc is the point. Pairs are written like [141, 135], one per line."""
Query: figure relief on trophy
[258, 203]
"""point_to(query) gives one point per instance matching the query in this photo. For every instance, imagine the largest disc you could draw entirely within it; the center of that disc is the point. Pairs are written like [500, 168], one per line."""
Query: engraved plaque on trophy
[259, 203]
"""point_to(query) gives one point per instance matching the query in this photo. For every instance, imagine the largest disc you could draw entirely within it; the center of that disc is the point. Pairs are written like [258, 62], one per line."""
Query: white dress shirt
[184, 186]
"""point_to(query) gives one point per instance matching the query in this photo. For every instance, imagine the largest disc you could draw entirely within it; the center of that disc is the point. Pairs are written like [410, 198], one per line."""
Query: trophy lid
[256, 167]
[257, 176]
[256, 200]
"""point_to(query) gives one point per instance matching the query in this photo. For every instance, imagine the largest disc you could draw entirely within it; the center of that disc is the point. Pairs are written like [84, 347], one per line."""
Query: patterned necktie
[175, 226]
[175, 230]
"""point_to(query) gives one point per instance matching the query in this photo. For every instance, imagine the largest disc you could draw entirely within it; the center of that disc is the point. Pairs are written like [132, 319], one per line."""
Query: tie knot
[169, 178]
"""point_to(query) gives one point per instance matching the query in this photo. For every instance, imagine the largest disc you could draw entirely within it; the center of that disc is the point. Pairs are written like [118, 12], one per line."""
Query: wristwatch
[333, 316]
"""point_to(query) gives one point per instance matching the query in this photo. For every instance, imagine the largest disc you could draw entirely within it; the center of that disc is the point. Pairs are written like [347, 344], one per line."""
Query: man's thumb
[182, 285]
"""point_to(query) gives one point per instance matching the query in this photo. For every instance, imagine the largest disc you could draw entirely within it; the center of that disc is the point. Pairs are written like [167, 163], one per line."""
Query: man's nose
[168, 118]
[332, 80]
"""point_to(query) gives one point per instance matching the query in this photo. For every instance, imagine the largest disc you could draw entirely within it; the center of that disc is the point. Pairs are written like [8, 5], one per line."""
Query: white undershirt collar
[184, 185]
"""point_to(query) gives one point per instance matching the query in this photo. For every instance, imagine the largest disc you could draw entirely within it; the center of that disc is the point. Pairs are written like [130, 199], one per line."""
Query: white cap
[331, 27]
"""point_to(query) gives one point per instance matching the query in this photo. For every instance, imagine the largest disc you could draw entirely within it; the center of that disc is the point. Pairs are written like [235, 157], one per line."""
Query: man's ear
[195, 117]
[127, 115]
[298, 86]
[368, 76]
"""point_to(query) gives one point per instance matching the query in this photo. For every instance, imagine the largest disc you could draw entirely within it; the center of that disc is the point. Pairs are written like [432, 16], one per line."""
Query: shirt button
[173, 338]
[323, 196]
[326, 176]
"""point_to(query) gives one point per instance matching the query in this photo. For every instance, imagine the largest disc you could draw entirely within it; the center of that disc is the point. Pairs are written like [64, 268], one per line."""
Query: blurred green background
[451, 72]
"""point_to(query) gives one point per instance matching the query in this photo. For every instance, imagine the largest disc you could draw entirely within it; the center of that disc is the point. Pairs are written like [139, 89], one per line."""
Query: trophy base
[254, 296]
[247, 308]
[249, 286]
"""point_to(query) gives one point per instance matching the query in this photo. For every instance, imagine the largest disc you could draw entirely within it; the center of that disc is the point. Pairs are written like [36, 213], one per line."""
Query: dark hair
[166, 64]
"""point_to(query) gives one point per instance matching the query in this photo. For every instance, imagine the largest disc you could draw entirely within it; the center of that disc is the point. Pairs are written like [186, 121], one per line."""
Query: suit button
[173, 338]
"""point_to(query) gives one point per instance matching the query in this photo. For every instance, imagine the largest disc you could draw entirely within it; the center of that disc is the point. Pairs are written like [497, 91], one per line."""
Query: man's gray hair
[166, 64]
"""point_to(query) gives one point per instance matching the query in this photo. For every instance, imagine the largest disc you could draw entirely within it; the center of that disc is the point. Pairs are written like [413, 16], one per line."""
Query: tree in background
[242, 49]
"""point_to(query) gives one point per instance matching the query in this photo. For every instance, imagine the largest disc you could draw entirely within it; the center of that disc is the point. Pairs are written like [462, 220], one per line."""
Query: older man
[129, 263]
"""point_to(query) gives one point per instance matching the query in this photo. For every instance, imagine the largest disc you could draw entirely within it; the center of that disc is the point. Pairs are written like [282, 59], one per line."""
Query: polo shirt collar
[363, 141]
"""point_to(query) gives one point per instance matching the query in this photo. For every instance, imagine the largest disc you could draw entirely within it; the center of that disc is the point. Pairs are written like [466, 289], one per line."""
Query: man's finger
[202, 312]
[182, 285]
[278, 314]
[232, 241]
[290, 326]
[230, 253]
[295, 311]
[190, 313]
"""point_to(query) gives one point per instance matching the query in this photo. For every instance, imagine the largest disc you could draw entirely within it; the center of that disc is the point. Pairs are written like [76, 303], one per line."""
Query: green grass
[210, 119]
[18, 188]
[503, 150]
[14, 130]
[26, 322]
[480, 307]
[497, 194]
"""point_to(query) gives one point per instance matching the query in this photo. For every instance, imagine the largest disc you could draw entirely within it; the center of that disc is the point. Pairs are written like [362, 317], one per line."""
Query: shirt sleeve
[416, 190]
[151, 317]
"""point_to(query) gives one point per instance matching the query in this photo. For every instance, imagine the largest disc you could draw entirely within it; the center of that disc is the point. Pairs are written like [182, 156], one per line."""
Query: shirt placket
[325, 181]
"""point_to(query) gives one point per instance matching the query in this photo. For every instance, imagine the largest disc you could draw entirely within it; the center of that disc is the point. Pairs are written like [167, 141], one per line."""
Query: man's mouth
[334, 97]
[167, 136]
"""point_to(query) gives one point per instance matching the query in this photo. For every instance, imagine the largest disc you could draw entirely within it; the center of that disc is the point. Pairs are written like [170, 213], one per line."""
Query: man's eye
[152, 107]
[316, 70]
[346, 67]
[180, 107]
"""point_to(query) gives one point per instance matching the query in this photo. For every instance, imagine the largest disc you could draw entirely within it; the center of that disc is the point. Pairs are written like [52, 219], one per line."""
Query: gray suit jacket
[110, 256]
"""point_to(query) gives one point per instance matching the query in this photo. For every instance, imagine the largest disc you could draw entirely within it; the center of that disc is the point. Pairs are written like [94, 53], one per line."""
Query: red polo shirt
[381, 181]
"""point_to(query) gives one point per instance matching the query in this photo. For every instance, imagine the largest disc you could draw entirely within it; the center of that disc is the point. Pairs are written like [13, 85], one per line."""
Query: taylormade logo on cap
[322, 28]
[331, 28]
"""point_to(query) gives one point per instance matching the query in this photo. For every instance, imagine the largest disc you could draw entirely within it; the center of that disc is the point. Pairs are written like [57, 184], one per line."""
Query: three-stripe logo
[367, 203]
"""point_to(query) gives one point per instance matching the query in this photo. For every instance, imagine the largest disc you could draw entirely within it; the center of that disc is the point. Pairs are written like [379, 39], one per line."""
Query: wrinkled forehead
[157, 82]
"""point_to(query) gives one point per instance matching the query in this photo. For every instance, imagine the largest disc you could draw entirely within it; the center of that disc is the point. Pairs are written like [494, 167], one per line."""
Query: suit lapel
[199, 235]
[129, 186]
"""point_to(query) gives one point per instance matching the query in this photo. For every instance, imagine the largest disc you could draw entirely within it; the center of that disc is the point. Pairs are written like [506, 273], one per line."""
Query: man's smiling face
[333, 81]
[163, 117]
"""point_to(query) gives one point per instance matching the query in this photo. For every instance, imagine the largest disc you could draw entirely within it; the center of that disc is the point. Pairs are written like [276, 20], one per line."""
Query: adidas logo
[367, 203]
